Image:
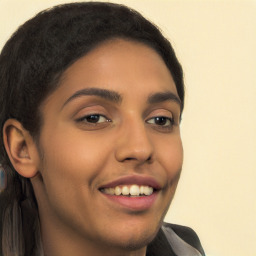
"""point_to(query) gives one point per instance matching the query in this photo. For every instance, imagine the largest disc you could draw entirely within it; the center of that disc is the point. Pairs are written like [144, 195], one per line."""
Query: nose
[134, 144]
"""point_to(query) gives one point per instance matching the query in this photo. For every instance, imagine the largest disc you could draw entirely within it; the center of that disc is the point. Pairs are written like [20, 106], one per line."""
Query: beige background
[216, 43]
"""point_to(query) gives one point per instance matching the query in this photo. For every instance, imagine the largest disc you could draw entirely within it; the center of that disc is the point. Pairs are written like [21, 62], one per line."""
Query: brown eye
[94, 119]
[161, 121]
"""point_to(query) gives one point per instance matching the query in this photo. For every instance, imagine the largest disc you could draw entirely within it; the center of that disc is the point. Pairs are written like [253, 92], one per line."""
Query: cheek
[73, 161]
[170, 156]
[70, 170]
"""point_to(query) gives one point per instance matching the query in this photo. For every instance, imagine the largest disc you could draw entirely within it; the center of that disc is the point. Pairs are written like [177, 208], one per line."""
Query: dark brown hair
[31, 64]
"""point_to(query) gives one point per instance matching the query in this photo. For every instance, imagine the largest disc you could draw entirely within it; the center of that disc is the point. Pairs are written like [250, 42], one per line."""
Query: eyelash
[168, 123]
[166, 126]
[93, 116]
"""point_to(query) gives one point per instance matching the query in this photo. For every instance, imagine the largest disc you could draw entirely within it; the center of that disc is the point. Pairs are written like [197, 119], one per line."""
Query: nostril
[134, 158]
[130, 158]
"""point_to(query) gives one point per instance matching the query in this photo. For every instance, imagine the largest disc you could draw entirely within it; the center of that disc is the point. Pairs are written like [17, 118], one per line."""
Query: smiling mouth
[129, 190]
[135, 193]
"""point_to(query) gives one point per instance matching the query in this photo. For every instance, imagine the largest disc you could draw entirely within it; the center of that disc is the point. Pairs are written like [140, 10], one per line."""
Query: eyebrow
[115, 97]
[102, 93]
[163, 96]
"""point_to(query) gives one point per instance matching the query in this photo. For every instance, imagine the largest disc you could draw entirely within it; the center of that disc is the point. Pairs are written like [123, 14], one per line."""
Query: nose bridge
[134, 142]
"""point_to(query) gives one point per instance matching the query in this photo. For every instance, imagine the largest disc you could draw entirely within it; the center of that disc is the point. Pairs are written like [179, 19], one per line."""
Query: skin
[76, 157]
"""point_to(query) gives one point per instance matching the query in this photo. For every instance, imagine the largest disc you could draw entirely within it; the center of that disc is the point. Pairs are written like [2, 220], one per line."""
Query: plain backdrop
[216, 44]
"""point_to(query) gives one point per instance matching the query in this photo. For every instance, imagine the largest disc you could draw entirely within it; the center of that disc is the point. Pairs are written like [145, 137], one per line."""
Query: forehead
[119, 65]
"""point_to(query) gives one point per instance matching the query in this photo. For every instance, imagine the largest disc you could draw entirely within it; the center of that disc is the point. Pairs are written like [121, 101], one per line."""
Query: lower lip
[139, 203]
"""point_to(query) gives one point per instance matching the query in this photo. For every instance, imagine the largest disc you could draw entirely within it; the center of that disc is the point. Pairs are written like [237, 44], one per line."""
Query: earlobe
[20, 148]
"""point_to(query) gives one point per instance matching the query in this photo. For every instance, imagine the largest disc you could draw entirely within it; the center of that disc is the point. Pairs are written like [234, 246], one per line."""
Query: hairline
[60, 77]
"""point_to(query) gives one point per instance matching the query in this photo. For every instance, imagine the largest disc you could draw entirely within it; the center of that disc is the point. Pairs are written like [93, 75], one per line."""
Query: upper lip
[133, 179]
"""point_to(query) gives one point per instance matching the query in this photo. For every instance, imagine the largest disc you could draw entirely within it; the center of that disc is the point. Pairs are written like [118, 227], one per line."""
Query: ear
[21, 148]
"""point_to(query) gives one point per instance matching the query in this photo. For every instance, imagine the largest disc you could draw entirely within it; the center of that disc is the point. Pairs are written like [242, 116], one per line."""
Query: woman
[91, 96]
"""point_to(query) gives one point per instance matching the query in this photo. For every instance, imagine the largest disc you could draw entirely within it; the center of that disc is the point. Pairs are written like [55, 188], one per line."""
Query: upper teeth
[133, 190]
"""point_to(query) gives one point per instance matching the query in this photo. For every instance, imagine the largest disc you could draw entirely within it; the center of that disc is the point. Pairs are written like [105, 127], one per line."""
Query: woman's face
[111, 127]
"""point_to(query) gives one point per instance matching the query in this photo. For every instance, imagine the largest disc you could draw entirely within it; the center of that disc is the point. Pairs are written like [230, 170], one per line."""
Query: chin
[133, 238]
[133, 243]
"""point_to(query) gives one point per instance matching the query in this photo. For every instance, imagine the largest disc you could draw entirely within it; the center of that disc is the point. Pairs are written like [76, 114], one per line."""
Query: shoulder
[175, 240]
[187, 234]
